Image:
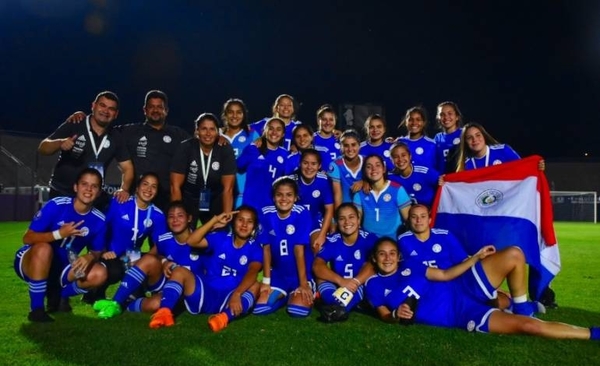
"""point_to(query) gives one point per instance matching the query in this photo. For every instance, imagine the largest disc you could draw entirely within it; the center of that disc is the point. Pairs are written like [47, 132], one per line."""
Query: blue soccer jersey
[283, 235]
[289, 128]
[128, 226]
[314, 196]
[227, 265]
[239, 142]
[329, 146]
[495, 155]
[340, 173]
[261, 171]
[382, 150]
[347, 260]
[381, 211]
[445, 142]
[180, 253]
[423, 151]
[440, 250]
[59, 211]
[421, 185]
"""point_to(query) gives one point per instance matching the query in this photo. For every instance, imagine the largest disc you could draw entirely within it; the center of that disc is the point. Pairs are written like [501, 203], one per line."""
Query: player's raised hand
[68, 143]
[223, 219]
[71, 229]
[76, 117]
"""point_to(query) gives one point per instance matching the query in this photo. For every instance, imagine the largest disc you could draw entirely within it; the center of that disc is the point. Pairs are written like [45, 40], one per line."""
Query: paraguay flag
[504, 205]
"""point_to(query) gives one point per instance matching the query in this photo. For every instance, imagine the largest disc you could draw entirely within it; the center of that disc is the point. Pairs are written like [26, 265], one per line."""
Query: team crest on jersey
[143, 141]
[167, 139]
[337, 145]
[148, 222]
[290, 229]
[106, 144]
[357, 254]
[497, 162]
[194, 256]
[85, 231]
[242, 139]
[243, 260]
[215, 166]
[471, 325]
[280, 159]
[456, 141]
[406, 272]
[489, 198]
[436, 248]
[194, 167]
[416, 187]
[387, 197]
[386, 153]
[316, 193]
[419, 150]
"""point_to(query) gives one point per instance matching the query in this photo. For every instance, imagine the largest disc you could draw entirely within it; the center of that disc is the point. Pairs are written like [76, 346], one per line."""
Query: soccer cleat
[218, 322]
[39, 316]
[110, 311]
[527, 308]
[333, 313]
[162, 318]
[64, 305]
[101, 304]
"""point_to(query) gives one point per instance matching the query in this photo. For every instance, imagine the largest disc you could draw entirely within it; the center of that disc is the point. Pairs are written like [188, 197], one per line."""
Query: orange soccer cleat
[162, 318]
[218, 322]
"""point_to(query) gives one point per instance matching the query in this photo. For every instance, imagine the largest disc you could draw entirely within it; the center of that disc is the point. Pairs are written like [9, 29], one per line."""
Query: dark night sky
[528, 72]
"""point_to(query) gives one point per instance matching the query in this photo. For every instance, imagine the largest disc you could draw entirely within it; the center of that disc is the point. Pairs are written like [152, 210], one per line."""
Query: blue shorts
[207, 299]
[59, 266]
[475, 284]
[472, 315]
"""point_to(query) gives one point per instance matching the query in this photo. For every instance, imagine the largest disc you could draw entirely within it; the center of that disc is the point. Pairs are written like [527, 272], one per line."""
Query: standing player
[375, 143]
[56, 236]
[325, 139]
[478, 149]
[343, 261]
[287, 259]
[385, 207]
[447, 301]
[449, 120]
[347, 170]
[92, 144]
[229, 286]
[420, 182]
[239, 135]
[263, 164]
[423, 149]
[283, 108]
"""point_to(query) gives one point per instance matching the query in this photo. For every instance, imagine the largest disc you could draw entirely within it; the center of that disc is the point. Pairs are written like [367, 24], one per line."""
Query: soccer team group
[289, 218]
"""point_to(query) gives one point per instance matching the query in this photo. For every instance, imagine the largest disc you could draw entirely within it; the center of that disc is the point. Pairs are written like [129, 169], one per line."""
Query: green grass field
[82, 339]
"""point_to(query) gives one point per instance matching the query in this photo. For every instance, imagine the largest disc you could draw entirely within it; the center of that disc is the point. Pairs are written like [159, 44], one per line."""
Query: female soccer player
[420, 182]
[203, 172]
[343, 261]
[283, 108]
[347, 170]
[56, 236]
[263, 164]
[449, 120]
[478, 149]
[128, 225]
[386, 205]
[316, 194]
[154, 267]
[375, 143]
[423, 149]
[229, 285]
[239, 135]
[456, 297]
[303, 139]
[326, 138]
[287, 255]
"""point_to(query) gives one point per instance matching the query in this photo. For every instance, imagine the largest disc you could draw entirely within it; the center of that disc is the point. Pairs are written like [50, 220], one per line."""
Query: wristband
[56, 235]
[394, 314]
[356, 280]
[163, 261]
[266, 280]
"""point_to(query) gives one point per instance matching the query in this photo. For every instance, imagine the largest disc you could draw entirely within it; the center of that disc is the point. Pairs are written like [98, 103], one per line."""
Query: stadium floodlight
[575, 206]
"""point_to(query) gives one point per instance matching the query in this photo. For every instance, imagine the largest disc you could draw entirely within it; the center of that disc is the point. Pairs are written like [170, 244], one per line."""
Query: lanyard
[205, 167]
[135, 229]
[487, 158]
[92, 140]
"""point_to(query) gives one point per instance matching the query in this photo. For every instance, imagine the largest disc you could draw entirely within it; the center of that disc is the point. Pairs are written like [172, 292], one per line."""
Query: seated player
[287, 255]
[154, 267]
[343, 262]
[229, 286]
[56, 236]
[456, 297]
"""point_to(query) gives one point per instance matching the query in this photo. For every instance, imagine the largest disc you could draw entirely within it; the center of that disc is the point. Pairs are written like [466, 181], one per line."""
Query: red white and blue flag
[504, 205]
